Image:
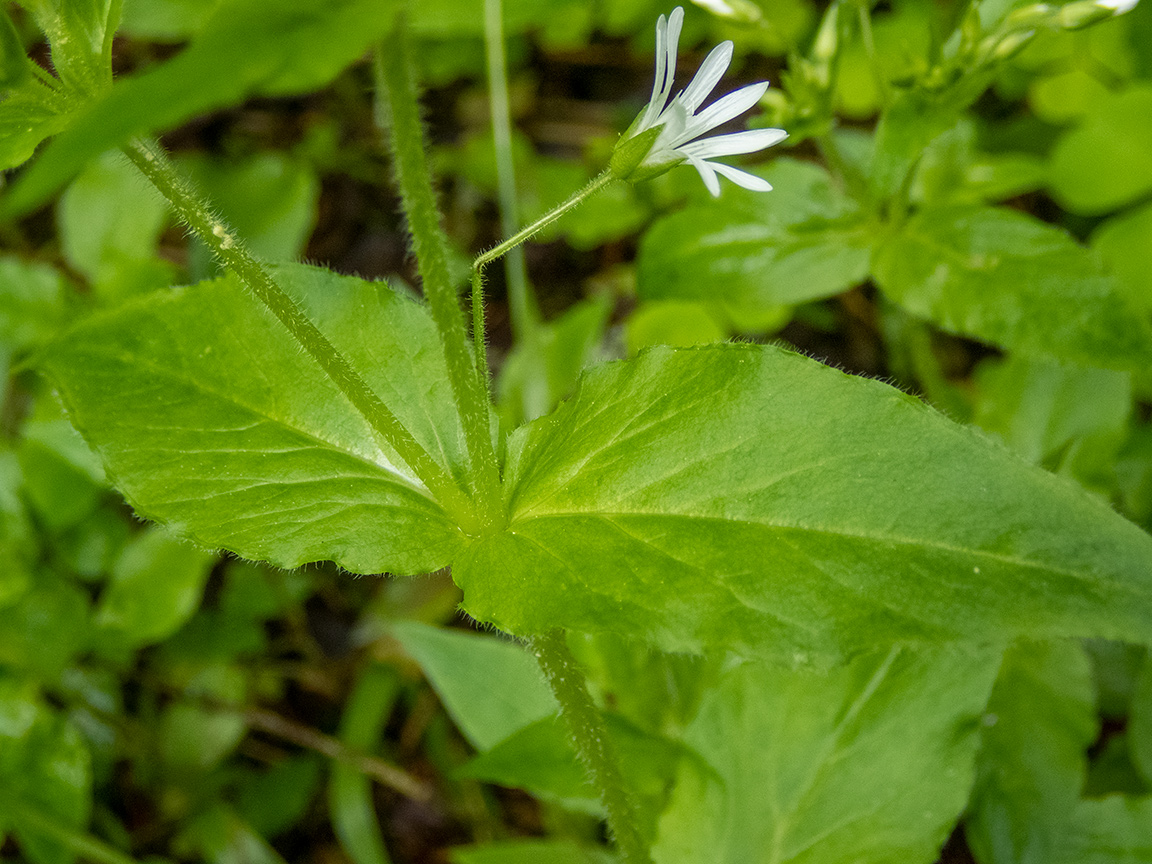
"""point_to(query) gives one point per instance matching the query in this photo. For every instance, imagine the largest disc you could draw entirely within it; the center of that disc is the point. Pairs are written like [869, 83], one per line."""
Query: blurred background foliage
[159, 702]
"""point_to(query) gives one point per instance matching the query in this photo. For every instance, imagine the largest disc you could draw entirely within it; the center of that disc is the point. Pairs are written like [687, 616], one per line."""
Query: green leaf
[18, 544]
[1140, 723]
[164, 20]
[1125, 244]
[269, 199]
[248, 47]
[491, 688]
[32, 307]
[350, 792]
[743, 497]
[63, 479]
[15, 68]
[277, 800]
[28, 115]
[155, 587]
[1112, 830]
[45, 764]
[194, 739]
[109, 223]
[80, 33]
[530, 852]
[1040, 722]
[803, 240]
[1106, 161]
[801, 767]
[43, 631]
[1038, 407]
[541, 758]
[540, 372]
[679, 323]
[1007, 278]
[219, 835]
[210, 418]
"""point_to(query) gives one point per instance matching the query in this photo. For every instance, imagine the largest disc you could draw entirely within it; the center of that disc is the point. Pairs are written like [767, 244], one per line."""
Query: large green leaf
[248, 47]
[1007, 278]
[805, 239]
[1106, 161]
[209, 417]
[1041, 721]
[801, 766]
[744, 497]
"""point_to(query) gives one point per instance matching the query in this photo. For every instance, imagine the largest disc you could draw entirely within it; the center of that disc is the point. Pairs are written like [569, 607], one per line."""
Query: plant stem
[594, 185]
[524, 310]
[83, 845]
[592, 742]
[195, 212]
[485, 258]
[399, 112]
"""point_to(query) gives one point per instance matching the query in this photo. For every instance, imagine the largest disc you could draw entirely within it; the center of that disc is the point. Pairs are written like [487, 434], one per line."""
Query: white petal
[659, 88]
[675, 22]
[742, 178]
[723, 110]
[736, 142]
[708, 76]
[675, 121]
[707, 174]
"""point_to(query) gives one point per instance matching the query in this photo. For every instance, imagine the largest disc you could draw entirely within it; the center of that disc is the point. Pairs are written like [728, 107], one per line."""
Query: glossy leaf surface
[744, 497]
[210, 418]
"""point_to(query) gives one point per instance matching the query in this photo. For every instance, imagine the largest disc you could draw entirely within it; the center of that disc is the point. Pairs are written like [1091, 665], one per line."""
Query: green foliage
[315, 453]
[710, 499]
[784, 613]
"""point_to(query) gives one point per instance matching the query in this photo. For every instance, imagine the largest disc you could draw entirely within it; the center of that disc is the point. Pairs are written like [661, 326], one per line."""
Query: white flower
[666, 133]
[1118, 6]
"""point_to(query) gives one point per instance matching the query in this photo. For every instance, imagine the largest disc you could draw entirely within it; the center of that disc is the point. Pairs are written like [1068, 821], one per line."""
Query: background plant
[798, 596]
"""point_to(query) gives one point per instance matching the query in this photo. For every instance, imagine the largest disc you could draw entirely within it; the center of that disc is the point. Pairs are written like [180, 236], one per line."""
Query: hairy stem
[486, 258]
[592, 742]
[398, 111]
[197, 214]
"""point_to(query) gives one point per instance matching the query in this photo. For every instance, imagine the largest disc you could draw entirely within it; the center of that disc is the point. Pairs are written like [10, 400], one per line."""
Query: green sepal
[630, 153]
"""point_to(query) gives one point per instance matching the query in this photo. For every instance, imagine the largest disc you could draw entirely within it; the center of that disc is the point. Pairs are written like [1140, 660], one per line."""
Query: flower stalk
[485, 258]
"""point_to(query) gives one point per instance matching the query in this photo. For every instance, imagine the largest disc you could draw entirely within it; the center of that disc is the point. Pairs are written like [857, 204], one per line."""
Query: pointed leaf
[491, 688]
[1009, 279]
[209, 417]
[743, 497]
